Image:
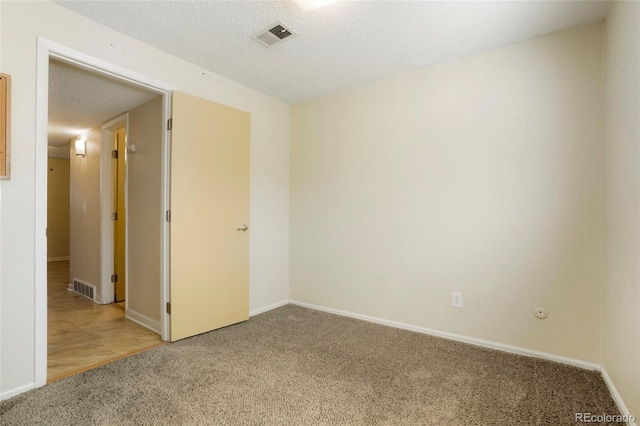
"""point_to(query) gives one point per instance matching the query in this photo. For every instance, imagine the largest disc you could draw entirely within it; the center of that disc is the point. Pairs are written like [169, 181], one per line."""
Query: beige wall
[622, 293]
[58, 208]
[20, 24]
[85, 225]
[484, 175]
[144, 209]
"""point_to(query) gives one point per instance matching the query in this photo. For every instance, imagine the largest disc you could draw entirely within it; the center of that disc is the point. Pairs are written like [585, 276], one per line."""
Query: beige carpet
[301, 367]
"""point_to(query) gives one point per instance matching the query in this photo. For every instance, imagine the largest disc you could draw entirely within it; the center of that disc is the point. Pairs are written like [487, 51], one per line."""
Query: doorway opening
[83, 327]
[210, 257]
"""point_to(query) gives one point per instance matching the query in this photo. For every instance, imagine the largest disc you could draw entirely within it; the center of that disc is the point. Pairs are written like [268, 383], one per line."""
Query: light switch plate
[456, 299]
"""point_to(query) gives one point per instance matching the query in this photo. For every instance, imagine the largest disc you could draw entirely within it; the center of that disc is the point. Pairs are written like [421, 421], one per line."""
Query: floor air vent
[272, 35]
[84, 289]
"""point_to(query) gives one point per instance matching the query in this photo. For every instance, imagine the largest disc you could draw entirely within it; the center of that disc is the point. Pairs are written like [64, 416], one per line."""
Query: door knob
[243, 228]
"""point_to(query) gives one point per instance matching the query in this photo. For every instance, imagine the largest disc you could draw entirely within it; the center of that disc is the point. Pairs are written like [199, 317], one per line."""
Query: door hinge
[114, 216]
[168, 215]
[114, 153]
[169, 308]
[170, 124]
[114, 278]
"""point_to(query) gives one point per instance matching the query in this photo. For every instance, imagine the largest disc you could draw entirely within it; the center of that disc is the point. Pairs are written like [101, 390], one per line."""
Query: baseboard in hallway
[142, 320]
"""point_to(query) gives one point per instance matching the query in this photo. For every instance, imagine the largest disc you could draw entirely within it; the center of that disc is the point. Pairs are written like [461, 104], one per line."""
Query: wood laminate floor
[83, 334]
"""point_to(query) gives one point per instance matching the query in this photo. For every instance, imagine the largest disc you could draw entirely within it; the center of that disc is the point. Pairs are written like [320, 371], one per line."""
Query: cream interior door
[209, 285]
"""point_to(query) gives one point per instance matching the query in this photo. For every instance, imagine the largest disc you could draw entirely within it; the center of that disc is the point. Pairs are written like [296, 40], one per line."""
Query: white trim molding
[457, 337]
[143, 320]
[617, 398]
[13, 392]
[47, 49]
[40, 221]
[268, 308]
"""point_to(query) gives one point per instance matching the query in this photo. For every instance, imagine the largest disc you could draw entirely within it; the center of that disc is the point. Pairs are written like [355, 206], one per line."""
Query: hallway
[83, 334]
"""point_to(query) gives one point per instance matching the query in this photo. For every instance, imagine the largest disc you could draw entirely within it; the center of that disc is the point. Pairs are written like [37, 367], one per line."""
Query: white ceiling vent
[272, 35]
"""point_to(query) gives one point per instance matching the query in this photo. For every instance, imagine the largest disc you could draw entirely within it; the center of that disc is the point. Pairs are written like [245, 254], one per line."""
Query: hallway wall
[85, 210]
[58, 209]
[144, 212]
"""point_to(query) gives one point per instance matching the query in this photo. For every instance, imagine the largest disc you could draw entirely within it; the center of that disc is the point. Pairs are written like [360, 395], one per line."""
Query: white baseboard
[143, 320]
[268, 308]
[617, 398]
[57, 259]
[13, 392]
[457, 337]
[101, 301]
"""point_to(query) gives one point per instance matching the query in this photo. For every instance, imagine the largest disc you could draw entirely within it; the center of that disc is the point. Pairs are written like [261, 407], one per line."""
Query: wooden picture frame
[5, 126]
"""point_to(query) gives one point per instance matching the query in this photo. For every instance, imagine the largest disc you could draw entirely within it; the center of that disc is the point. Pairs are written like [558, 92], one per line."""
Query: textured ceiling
[62, 151]
[341, 45]
[80, 100]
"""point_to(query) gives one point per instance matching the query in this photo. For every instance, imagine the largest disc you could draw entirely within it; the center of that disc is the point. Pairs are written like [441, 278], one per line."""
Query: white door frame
[107, 293]
[45, 50]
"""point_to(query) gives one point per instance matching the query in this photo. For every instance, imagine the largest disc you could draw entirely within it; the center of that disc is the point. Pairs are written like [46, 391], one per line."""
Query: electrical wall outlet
[456, 299]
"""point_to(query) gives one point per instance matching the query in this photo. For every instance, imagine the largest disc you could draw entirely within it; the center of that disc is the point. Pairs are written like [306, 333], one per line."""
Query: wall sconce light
[81, 148]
